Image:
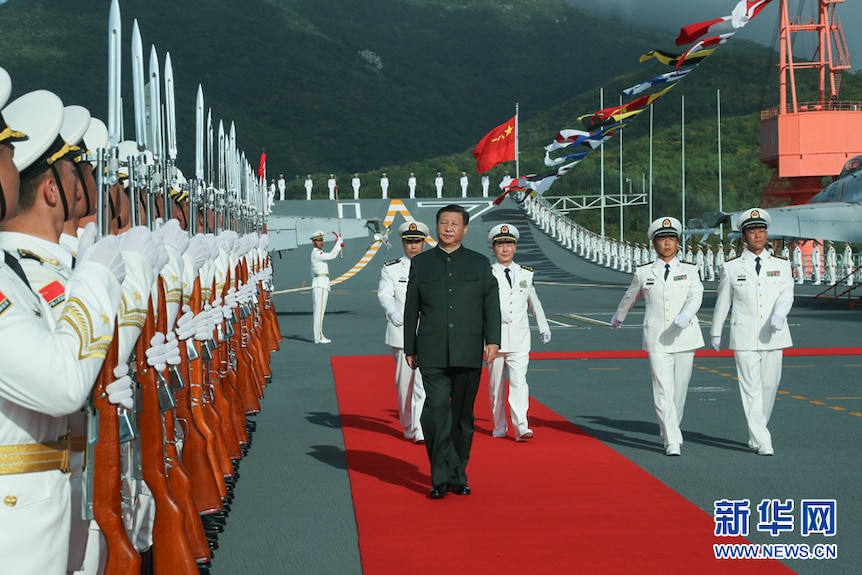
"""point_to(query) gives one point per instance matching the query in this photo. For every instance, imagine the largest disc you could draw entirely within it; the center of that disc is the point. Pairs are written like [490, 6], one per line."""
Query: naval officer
[518, 298]
[320, 281]
[451, 320]
[672, 292]
[757, 290]
[391, 293]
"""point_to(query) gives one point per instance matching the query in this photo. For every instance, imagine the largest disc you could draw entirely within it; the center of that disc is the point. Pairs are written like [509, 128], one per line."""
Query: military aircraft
[835, 213]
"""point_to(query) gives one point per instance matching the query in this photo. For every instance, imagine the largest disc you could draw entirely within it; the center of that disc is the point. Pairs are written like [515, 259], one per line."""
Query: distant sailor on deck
[384, 186]
[464, 181]
[438, 183]
[672, 292]
[309, 184]
[411, 185]
[281, 187]
[320, 281]
[330, 183]
[356, 184]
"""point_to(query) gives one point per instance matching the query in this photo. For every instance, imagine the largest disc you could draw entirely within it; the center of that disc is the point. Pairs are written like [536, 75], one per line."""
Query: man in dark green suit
[451, 321]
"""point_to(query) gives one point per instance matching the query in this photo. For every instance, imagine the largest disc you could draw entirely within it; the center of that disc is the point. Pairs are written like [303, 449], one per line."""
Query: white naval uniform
[438, 183]
[392, 293]
[59, 371]
[670, 348]
[816, 264]
[281, 187]
[320, 286]
[753, 300]
[411, 186]
[464, 183]
[309, 185]
[384, 187]
[330, 183]
[356, 185]
[514, 356]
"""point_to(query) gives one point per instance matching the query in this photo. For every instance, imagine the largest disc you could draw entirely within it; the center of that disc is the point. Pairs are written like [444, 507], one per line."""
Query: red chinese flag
[261, 168]
[497, 146]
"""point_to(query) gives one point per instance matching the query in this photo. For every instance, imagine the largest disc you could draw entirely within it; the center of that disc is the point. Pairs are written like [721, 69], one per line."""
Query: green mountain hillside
[367, 86]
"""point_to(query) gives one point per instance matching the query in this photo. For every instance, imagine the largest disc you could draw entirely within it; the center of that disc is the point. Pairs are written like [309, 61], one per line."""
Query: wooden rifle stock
[178, 477]
[171, 549]
[122, 558]
[206, 493]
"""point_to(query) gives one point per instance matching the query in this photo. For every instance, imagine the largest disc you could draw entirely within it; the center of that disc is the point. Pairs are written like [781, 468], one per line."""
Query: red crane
[805, 141]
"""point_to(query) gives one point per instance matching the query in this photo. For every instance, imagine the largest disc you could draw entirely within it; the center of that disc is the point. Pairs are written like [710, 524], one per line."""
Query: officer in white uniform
[831, 263]
[384, 186]
[672, 292]
[320, 281]
[356, 185]
[411, 185]
[816, 264]
[847, 262]
[391, 293]
[757, 290]
[464, 181]
[330, 183]
[486, 183]
[438, 183]
[281, 187]
[797, 264]
[36, 396]
[309, 185]
[517, 299]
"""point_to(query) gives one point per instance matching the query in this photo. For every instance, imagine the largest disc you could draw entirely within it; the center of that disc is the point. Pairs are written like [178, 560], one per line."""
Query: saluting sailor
[392, 293]
[672, 292]
[757, 290]
[517, 298]
[320, 281]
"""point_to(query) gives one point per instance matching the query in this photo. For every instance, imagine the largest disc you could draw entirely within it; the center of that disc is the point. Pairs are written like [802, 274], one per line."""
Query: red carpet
[562, 503]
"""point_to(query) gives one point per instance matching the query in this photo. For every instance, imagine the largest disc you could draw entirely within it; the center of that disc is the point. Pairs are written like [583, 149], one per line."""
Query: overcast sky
[671, 15]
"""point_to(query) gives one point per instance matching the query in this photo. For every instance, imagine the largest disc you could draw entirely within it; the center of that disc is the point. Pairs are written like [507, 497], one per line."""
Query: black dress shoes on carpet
[438, 491]
[459, 489]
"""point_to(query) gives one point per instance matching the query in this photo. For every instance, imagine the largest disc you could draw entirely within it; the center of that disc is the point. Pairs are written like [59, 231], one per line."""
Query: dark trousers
[447, 420]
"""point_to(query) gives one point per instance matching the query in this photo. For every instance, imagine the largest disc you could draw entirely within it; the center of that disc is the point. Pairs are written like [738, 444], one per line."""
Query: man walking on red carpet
[451, 319]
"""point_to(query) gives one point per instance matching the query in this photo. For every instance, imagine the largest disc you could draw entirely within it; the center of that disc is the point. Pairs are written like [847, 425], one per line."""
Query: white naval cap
[318, 235]
[664, 227]
[7, 133]
[413, 231]
[503, 233]
[40, 115]
[76, 120]
[753, 217]
[96, 135]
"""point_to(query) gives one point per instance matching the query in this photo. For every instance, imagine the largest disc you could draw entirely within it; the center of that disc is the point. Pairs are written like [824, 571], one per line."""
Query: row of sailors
[623, 256]
[62, 294]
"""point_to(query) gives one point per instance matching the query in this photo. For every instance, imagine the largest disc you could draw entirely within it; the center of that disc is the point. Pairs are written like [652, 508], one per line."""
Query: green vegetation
[369, 86]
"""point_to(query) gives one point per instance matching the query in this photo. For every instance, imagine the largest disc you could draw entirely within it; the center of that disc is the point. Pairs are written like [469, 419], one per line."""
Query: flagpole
[602, 164]
[682, 103]
[720, 192]
[517, 160]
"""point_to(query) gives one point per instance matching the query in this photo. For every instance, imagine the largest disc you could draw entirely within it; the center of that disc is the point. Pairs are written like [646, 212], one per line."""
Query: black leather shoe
[459, 489]
[438, 492]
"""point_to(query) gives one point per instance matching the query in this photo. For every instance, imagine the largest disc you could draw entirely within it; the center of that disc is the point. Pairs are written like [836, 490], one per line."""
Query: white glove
[504, 316]
[545, 336]
[106, 252]
[777, 322]
[120, 391]
[86, 239]
[616, 323]
[216, 314]
[198, 251]
[263, 243]
[230, 302]
[203, 327]
[716, 342]
[173, 235]
[186, 324]
[140, 240]
[338, 239]
[682, 321]
[163, 351]
[396, 317]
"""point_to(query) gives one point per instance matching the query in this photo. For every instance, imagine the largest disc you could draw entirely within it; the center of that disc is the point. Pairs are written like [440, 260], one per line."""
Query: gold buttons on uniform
[10, 501]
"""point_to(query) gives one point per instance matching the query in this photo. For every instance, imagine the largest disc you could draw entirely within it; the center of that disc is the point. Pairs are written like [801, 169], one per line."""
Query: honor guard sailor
[320, 281]
[391, 293]
[757, 290]
[47, 367]
[672, 292]
[518, 299]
